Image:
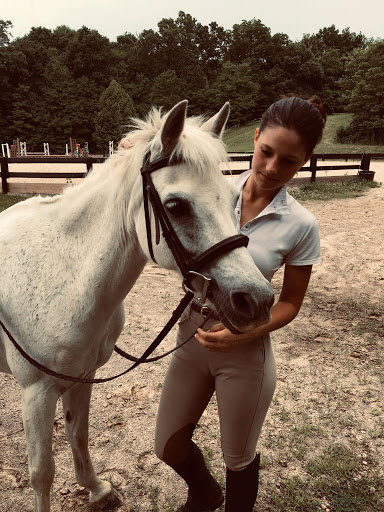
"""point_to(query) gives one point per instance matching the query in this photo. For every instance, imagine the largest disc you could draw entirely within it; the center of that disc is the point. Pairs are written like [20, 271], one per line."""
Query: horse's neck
[93, 218]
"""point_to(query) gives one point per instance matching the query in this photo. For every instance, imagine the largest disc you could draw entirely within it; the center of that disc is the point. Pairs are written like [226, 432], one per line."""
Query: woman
[240, 368]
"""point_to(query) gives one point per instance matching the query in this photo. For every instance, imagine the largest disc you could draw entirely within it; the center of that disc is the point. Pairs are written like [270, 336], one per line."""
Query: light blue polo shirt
[283, 233]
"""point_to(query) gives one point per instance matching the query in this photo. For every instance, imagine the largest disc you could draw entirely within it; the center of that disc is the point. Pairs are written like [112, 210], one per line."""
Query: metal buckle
[199, 285]
[205, 311]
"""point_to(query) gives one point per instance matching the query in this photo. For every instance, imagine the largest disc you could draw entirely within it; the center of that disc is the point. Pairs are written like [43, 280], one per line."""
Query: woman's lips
[268, 178]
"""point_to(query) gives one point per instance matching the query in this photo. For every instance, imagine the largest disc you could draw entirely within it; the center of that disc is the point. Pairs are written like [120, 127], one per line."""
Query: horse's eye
[177, 207]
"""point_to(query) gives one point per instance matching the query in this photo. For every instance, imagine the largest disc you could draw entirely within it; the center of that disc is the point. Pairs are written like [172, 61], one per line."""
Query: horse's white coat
[69, 261]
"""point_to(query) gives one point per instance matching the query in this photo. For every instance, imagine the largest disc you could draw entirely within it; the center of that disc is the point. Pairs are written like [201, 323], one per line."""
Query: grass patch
[364, 317]
[6, 201]
[325, 191]
[349, 482]
[337, 479]
[241, 139]
[292, 496]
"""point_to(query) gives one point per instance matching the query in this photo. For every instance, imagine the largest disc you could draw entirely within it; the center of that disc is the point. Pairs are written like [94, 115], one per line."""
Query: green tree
[35, 47]
[149, 60]
[297, 72]
[250, 42]
[167, 90]
[330, 38]
[115, 109]
[364, 91]
[90, 54]
[138, 89]
[212, 45]
[5, 35]
[59, 108]
[13, 72]
[236, 85]
[330, 48]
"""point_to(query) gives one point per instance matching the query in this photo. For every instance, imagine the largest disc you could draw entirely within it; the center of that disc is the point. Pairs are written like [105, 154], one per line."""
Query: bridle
[188, 267]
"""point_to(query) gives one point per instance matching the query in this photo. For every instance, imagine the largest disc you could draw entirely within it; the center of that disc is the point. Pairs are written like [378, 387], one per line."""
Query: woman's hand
[124, 144]
[296, 278]
[221, 339]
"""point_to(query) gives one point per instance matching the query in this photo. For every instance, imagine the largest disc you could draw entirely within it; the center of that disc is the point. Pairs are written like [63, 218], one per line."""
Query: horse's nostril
[242, 302]
[247, 305]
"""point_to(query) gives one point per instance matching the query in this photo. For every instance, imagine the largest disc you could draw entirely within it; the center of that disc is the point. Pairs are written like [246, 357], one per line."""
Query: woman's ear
[256, 137]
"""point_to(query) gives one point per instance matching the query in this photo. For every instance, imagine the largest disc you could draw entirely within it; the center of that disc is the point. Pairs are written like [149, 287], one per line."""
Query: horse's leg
[76, 412]
[39, 405]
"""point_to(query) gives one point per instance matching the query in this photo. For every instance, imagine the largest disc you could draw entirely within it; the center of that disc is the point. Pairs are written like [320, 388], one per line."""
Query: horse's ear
[173, 126]
[217, 123]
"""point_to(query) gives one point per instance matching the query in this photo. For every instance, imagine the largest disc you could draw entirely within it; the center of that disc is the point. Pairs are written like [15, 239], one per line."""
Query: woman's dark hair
[306, 117]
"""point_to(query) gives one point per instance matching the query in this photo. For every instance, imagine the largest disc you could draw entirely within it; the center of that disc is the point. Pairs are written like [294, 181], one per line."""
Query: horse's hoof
[110, 501]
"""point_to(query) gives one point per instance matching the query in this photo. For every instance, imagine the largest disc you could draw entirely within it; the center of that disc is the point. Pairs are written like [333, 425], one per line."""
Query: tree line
[62, 83]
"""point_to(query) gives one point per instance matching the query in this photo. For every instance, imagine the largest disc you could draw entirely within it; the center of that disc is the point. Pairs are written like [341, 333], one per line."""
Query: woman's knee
[238, 463]
[175, 448]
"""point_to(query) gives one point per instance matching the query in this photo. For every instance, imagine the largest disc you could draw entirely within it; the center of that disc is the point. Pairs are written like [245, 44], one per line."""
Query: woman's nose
[272, 165]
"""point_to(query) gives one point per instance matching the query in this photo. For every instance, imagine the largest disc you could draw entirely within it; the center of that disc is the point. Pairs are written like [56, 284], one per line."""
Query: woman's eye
[177, 208]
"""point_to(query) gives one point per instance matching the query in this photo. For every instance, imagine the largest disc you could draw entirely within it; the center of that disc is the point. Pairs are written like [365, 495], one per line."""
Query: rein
[188, 267]
[142, 359]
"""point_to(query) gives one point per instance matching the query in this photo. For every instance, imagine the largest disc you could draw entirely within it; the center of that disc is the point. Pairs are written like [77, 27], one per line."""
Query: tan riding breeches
[244, 381]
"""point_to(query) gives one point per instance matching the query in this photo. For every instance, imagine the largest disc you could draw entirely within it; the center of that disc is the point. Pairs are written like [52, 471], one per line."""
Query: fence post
[4, 174]
[313, 168]
[365, 162]
[89, 164]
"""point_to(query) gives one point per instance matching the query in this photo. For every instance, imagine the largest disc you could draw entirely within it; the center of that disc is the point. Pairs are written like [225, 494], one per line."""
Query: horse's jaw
[241, 296]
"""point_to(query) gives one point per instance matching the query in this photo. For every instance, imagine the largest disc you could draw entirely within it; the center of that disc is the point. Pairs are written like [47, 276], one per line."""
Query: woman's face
[279, 154]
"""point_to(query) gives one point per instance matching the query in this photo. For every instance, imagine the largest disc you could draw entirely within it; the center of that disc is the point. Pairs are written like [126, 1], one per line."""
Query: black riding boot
[204, 493]
[242, 488]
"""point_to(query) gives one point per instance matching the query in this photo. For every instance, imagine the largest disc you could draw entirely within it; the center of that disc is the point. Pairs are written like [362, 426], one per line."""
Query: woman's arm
[295, 284]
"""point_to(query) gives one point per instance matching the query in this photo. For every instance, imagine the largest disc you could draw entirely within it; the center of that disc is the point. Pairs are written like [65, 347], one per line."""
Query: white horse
[69, 261]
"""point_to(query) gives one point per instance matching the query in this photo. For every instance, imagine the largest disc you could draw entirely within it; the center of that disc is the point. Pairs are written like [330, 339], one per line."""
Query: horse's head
[199, 203]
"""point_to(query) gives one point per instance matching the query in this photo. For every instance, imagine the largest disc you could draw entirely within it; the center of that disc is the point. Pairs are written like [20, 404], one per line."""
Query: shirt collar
[278, 205]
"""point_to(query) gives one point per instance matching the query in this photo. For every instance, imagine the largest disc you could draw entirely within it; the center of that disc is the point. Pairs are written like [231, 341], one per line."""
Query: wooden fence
[6, 173]
[363, 160]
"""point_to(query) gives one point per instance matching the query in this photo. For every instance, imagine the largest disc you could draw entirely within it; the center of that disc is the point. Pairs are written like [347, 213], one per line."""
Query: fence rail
[363, 165]
[6, 173]
[313, 167]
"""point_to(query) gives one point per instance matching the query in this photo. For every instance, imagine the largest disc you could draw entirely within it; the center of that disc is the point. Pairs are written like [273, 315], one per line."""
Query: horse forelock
[196, 147]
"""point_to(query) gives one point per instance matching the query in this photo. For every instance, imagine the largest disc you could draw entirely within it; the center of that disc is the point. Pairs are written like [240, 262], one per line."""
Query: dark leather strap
[159, 338]
[217, 250]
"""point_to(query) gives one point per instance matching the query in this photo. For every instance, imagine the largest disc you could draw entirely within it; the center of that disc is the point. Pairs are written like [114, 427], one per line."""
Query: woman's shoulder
[299, 211]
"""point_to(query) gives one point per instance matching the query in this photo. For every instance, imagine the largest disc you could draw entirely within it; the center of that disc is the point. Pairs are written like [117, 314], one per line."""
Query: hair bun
[317, 102]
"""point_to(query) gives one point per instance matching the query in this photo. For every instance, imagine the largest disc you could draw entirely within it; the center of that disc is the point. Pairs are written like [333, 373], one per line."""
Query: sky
[115, 17]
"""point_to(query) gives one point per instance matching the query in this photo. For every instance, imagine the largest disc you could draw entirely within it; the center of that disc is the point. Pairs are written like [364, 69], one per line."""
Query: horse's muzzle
[243, 310]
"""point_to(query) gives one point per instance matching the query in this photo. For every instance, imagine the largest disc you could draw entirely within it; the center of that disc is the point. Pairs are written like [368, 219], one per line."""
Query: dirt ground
[330, 374]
